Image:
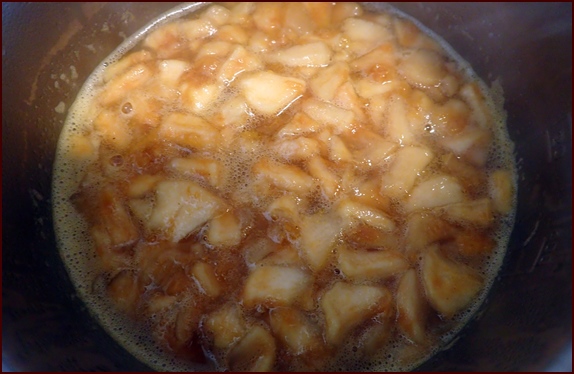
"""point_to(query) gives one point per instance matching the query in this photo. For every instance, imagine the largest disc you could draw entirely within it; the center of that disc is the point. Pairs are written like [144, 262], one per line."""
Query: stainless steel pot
[48, 49]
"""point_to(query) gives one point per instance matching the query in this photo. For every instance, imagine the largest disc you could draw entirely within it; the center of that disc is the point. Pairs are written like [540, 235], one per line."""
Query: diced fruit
[435, 192]
[297, 149]
[319, 169]
[227, 325]
[294, 329]
[360, 303]
[274, 286]
[205, 276]
[501, 188]
[312, 54]
[125, 290]
[411, 308]
[224, 230]
[424, 229]
[254, 352]
[287, 177]
[352, 211]
[271, 93]
[340, 119]
[207, 169]
[375, 265]
[449, 286]
[422, 68]
[407, 165]
[240, 61]
[181, 207]
[325, 84]
[319, 233]
[189, 130]
[474, 212]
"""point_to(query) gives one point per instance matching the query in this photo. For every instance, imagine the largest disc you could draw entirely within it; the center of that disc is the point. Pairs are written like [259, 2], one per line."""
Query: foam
[73, 239]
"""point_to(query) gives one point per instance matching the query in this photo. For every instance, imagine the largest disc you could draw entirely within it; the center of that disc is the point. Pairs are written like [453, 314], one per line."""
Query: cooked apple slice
[434, 192]
[270, 93]
[319, 169]
[125, 290]
[284, 255]
[268, 16]
[257, 249]
[407, 165]
[340, 119]
[287, 177]
[327, 81]
[377, 334]
[294, 330]
[423, 229]
[240, 61]
[471, 144]
[501, 190]
[189, 130]
[197, 29]
[319, 232]
[234, 113]
[338, 151]
[347, 305]
[364, 35]
[471, 178]
[254, 352]
[342, 11]
[208, 169]
[181, 207]
[449, 286]
[300, 124]
[113, 129]
[422, 67]
[158, 302]
[216, 14]
[224, 230]
[142, 184]
[114, 220]
[411, 308]
[372, 149]
[227, 325]
[127, 61]
[120, 85]
[361, 265]
[346, 97]
[286, 207]
[473, 95]
[398, 126]
[473, 212]
[200, 98]
[298, 19]
[274, 286]
[315, 54]
[351, 211]
[171, 70]
[366, 237]
[141, 208]
[206, 278]
[297, 149]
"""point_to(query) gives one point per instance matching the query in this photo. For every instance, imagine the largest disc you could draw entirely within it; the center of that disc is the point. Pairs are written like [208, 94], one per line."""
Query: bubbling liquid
[122, 151]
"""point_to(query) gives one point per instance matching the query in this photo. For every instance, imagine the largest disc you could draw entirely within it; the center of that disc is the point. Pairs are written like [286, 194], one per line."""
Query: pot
[49, 49]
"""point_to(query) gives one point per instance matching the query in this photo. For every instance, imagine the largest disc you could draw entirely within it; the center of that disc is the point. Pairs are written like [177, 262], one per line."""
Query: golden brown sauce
[284, 186]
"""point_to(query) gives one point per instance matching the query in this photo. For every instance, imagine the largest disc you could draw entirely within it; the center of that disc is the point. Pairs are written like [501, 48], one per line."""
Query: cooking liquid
[77, 247]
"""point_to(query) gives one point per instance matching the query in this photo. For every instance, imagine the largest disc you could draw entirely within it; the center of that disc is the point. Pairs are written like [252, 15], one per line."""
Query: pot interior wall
[527, 47]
